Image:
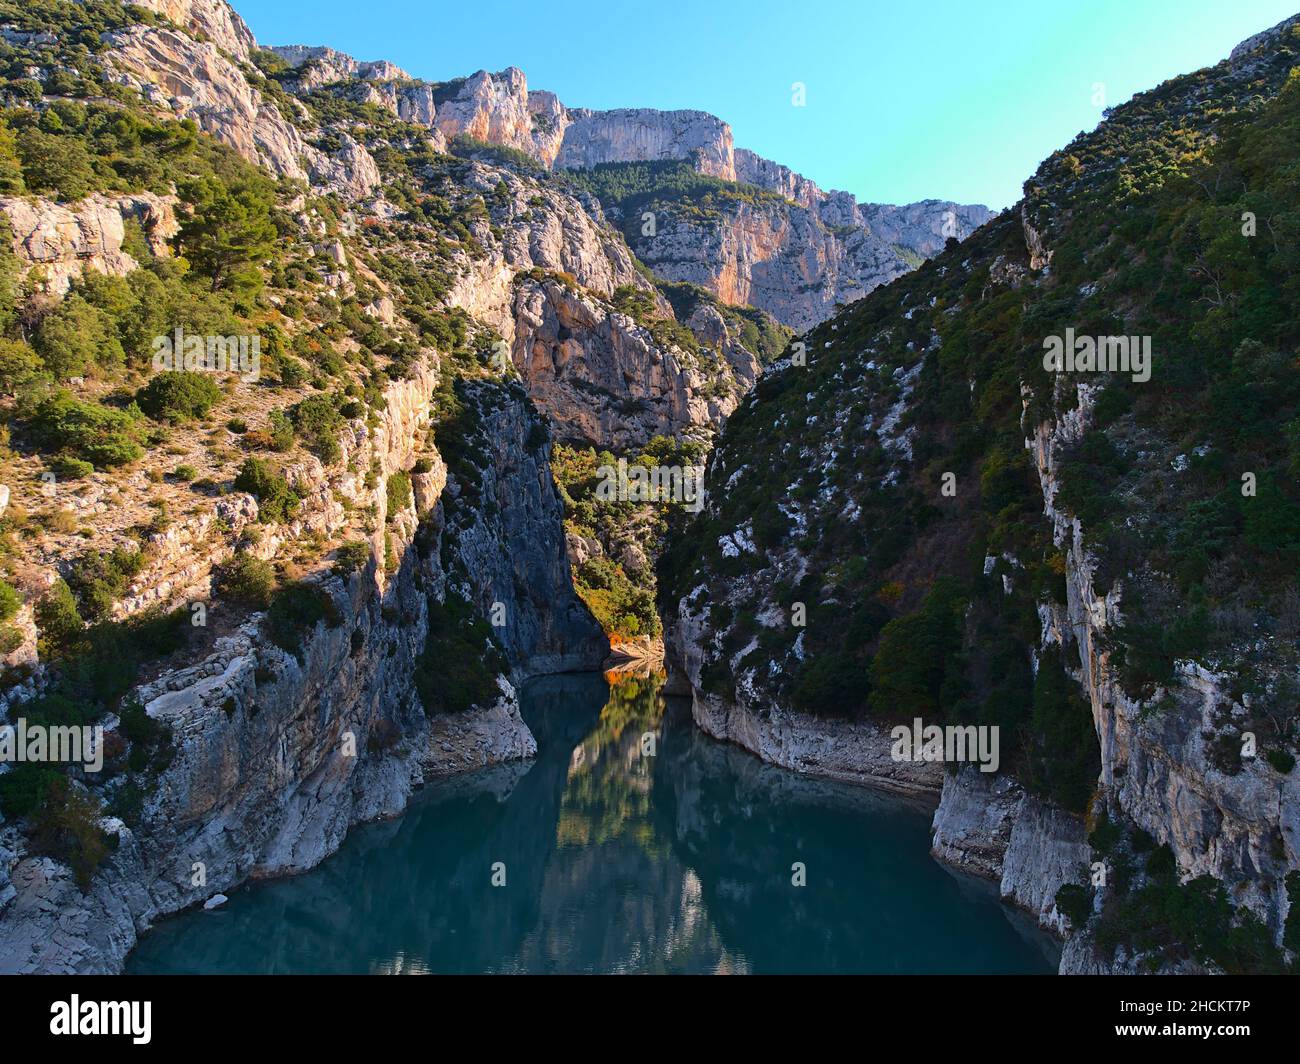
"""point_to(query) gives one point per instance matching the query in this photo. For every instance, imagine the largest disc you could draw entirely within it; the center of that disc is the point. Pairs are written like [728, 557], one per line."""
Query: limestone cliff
[849, 503]
[55, 244]
[278, 753]
[797, 259]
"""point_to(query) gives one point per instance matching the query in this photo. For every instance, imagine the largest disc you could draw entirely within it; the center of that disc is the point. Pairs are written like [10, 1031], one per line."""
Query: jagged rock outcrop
[536, 228]
[797, 257]
[989, 825]
[195, 80]
[604, 378]
[61, 242]
[325, 66]
[349, 169]
[214, 20]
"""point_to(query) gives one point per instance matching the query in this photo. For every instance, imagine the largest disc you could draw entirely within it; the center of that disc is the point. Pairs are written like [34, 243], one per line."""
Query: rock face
[790, 261]
[1243, 829]
[61, 242]
[195, 80]
[640, 134]
[214, 20]
[856, 752]
[604, 378]
[988, 825]
[511, 540]
[277, 753]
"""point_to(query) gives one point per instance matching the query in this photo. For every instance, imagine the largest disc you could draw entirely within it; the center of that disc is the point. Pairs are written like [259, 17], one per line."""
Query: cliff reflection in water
[616, 862]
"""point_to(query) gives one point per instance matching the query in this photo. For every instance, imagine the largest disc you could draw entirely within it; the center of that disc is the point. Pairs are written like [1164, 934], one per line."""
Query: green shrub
[246, 579]
[19, 366]
[71, 468]
[1282, 760]
[398, 490]
[276, 501]
[293, 374]
[917, 663]
[460, 662]
[54, 164]
[25, 786]
[10, 601]
[151, 740]
[65, 826]
[351, 556]
[226, 227]
[97, 580]
[88, 431]
[57, 620]
[177, 396]
[317, 422]
[1075, 902]
[295, 610]
[281, 430]
[10, 638]
[1063, 753]
[1196, 919]
[74, 337]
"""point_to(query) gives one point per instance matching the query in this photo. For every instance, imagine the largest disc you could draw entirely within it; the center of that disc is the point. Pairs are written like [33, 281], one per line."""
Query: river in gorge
[632, 843]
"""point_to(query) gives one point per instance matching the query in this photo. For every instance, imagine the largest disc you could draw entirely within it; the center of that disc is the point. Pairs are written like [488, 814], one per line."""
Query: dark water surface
[617, 862]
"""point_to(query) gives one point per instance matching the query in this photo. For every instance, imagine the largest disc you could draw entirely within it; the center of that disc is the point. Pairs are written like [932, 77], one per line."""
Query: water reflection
[631, 844]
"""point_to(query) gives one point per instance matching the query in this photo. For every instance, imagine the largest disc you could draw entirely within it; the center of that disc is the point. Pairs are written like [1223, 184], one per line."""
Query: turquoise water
[617, 861]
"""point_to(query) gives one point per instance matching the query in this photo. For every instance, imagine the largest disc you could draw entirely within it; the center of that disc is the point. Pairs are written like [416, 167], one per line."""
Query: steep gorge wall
[1243, 828]
[277, 754]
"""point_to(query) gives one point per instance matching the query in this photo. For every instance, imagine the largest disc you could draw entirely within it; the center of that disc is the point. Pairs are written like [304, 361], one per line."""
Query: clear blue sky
[950, 99]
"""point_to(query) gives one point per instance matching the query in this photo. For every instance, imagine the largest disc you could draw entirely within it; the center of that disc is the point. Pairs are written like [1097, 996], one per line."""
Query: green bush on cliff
[1172, 922]
[295, 610]
[1075, 902]
[317, 421]
[98, 579]
[1062, 758]
[87, 431]
[247, 579]
[10, 601]
[57, 621]
[351, 557]
[276, 501]
[65, 826]
[461, 660]
[177, 396]
[917, 668]
[397, 491]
